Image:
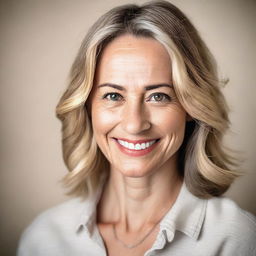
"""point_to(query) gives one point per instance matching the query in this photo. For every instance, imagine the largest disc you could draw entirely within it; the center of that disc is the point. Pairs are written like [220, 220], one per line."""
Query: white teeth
[136, 146]
[131, 146]
[151, 143]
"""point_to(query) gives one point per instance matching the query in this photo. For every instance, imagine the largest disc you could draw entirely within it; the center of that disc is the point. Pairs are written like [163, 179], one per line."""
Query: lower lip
[133, 152]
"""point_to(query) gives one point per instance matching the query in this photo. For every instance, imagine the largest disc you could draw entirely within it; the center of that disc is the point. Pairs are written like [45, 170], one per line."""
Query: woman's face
[137, 120]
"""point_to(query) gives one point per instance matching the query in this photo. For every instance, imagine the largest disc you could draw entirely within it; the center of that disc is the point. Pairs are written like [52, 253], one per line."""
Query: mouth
[136, 148]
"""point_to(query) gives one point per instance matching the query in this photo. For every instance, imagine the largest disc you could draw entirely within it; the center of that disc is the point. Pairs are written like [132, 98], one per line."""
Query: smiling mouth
[138, 145]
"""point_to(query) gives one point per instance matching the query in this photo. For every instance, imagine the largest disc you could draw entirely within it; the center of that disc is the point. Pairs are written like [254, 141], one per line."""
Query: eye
[113, 96]
[160, 97]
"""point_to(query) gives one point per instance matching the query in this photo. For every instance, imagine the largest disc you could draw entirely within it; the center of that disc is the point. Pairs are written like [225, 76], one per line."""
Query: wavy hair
[204, 162]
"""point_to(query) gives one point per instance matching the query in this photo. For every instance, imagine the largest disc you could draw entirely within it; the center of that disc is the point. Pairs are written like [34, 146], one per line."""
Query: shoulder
[51, 226]
[67, 213]
[225, 209]
[235, 227]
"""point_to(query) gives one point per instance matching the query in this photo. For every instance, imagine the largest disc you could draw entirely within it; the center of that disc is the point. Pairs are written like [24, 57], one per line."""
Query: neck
[136, 203]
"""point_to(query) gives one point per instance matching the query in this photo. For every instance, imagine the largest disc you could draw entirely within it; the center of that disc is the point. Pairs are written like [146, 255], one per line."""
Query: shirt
[193, 226]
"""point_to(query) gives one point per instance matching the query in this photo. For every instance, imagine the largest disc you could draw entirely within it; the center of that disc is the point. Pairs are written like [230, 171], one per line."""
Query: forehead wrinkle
[126, 48]
[134, 64]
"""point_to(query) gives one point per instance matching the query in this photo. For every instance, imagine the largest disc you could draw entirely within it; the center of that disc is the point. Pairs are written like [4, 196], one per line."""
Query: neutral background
[39, 40]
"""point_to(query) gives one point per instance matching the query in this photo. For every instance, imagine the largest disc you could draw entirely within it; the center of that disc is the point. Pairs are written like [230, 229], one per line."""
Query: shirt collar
[88, 214]
[186, 215]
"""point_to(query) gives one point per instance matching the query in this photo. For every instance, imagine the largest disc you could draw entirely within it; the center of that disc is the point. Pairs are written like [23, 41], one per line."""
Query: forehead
[129, 58]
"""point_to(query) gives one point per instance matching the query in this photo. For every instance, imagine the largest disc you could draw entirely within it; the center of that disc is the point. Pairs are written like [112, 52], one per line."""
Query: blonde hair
[203, 160]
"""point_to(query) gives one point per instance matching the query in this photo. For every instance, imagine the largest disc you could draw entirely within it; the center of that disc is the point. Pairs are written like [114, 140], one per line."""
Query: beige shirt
[193, 226]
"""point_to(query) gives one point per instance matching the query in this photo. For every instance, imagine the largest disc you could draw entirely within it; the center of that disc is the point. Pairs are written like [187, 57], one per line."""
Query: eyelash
[167, 97]
[109, 94]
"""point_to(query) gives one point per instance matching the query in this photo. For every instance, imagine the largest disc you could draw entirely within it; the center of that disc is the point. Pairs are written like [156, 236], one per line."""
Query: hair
[204, 162]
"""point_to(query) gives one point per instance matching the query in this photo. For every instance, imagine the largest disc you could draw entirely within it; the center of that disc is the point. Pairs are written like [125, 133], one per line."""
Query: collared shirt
[193, 226]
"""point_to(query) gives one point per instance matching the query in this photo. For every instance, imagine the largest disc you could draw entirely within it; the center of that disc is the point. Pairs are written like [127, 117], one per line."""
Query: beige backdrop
[39, 40]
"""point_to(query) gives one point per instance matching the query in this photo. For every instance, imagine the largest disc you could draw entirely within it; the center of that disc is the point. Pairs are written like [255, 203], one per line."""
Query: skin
[141, 189]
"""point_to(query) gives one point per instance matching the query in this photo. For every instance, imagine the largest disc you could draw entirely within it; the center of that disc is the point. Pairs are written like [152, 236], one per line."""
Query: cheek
[102, 120]
[172, 121]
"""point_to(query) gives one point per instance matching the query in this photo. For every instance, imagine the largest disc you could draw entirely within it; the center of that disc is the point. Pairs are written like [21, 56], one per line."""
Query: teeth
[136, 146]
[131, 146]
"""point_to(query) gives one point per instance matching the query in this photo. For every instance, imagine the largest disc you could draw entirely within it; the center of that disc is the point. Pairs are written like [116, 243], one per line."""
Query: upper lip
[135, 141]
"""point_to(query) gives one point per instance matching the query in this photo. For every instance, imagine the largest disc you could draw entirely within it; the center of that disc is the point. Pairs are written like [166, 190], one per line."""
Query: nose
[135, 118]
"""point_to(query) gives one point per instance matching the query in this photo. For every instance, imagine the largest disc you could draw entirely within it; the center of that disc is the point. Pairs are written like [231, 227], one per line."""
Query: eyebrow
[147, 88]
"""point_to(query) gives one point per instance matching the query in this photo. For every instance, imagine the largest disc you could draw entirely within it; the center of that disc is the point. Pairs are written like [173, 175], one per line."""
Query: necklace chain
[131, 246]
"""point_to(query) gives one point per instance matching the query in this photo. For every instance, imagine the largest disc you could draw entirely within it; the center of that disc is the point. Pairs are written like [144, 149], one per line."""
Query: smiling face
[137, 120]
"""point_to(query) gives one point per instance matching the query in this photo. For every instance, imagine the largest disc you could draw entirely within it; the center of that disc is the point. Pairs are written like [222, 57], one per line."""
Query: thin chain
[130, 246]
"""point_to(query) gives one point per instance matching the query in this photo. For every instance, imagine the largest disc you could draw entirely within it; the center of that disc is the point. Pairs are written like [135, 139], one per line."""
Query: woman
[143, 119]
